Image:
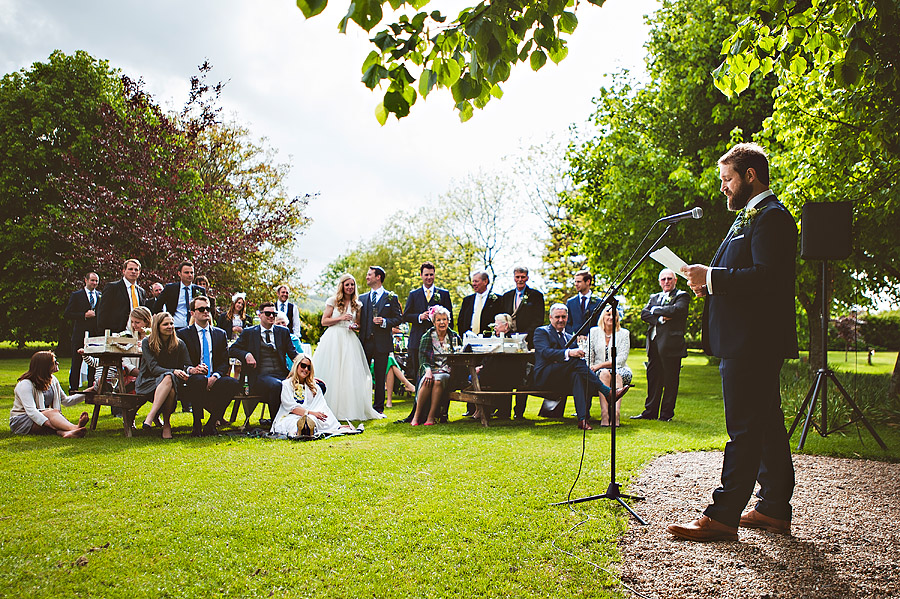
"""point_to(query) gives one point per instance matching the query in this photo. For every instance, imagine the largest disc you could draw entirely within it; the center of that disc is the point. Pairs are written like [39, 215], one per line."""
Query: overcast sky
[297, 83]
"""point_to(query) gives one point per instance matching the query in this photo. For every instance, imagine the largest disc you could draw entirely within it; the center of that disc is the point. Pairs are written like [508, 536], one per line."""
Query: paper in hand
[667, 258]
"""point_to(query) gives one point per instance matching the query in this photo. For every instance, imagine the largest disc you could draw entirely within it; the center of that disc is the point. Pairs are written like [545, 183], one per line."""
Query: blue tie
[91, 296]
[206, 357]
[187, 301]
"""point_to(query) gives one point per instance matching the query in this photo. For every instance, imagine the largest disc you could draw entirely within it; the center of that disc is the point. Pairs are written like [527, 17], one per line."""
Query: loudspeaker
[825, 230]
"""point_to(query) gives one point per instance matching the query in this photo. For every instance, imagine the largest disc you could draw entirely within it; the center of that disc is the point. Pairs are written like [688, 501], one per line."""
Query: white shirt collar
[127, 284]
[585, 295]
[263, 327]
[757, 199]
[89, 291]
[427, 289]
[201, 329]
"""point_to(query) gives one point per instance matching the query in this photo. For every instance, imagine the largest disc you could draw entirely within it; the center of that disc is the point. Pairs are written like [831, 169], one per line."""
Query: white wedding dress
[340, 362]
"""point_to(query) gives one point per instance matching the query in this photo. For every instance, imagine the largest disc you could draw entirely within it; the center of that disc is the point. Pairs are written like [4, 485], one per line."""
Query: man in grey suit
[380, 313]
[666, 317]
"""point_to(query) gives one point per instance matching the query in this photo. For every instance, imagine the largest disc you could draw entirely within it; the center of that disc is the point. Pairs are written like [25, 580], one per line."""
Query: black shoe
[666, 419]
[642, 417]
[467, 414]
[406, 420]
[265, 423]
[442, 420]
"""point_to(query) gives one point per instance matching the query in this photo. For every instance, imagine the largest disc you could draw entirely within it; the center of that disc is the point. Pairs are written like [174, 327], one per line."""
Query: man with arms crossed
[749, 323]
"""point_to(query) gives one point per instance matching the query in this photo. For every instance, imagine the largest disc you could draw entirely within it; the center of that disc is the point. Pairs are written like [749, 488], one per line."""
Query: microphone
[696, 212]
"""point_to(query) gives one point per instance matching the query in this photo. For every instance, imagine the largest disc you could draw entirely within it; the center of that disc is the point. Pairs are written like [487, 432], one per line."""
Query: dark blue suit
[250, 342]
[77, 305]
[171, 296]
[749, 322]
[216, 399]
[378, 341]
[553, 372]
[577, 316]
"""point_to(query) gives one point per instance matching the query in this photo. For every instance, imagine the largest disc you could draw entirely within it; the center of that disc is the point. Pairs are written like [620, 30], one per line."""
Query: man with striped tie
[81, 309]
[209, 387]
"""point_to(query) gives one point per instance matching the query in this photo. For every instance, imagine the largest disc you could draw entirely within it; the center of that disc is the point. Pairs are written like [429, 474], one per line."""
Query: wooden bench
[487, 400]
[249, 402]
[129, 403]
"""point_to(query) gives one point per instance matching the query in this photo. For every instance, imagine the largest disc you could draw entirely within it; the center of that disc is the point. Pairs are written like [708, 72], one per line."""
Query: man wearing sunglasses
[208, 387]
[262, 350]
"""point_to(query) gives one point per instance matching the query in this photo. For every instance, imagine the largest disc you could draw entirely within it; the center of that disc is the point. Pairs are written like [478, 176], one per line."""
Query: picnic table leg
[128, 420]
[94, 417]
[234, 409]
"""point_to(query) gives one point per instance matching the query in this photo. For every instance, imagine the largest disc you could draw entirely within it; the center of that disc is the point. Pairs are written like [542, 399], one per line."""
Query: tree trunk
[895, 378]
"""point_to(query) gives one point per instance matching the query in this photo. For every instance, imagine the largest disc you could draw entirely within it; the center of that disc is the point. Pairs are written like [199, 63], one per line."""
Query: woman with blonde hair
[600, 343]
[38, 397]
[340, 359]
[303, 404]
[164, 357]
[434, 370]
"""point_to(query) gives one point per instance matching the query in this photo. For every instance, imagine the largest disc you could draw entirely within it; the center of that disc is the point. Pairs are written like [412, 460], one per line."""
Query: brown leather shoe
[755, 519]
[704, 529]
[584, 426]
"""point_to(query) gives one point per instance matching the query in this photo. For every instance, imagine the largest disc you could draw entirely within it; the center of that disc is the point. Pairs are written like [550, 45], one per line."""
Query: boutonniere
[492, 297]
[667, 299]
[524, 297]
[196, 292]
[744, 218]
[436, 296]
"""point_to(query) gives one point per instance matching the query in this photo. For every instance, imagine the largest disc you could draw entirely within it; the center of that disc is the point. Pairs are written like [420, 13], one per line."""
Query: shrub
[311, 325]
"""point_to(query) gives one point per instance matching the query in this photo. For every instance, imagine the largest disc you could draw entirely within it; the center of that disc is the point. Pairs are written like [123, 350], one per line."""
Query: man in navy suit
[582, 305]
[564, 370]
[262, 350]
[119, 299]
[666, 317]
[209, 388]
[81, 309]
[478, 310]
[416, 314]
[379, 314]
[524, 304]
[176, 297]
[749, 322]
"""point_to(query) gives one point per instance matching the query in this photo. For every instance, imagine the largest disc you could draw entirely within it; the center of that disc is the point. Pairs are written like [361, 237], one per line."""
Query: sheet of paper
[667, 258]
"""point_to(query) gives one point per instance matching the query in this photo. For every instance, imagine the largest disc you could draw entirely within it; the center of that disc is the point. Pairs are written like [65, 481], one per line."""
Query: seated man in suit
[262, 350]
[564, 370]
[211, 388]
[582, 305]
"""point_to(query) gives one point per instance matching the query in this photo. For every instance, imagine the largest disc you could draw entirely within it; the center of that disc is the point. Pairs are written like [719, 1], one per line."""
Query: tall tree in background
[656, 145]
[48, 111]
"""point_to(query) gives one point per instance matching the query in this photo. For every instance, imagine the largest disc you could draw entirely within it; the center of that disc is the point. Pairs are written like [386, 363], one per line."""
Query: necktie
[187, 300]
[428, 295]
[268, 337]
[134, 298]
[476, 316]
[206, 357]
[283, 308]
[562, 338]
[91, 299]
[518, 300]
[583, 306]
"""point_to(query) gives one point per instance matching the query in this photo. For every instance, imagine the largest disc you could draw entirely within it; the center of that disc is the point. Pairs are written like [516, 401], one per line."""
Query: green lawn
[445, 511]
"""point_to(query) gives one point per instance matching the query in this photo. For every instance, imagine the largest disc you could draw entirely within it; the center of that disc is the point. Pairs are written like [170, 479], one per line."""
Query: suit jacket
[416, 304]
[490, 309]
[77, 305]
[530, 314]
[219, 348]
[379, 339]
[171, 295]
[549, 356]
[577, 317]
[251, 340]
[669, 335]
[115, 306]
[751, 311]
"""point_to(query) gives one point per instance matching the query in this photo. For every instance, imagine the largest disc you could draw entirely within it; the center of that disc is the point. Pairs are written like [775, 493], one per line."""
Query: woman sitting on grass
[303, 396]
[433, 367]
[164, 358]
[39, 395]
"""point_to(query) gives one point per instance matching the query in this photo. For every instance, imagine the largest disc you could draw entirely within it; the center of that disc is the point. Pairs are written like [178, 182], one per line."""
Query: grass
[445, 511]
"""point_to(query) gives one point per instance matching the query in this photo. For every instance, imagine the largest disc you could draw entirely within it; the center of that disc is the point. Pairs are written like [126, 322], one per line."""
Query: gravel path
[845, 543]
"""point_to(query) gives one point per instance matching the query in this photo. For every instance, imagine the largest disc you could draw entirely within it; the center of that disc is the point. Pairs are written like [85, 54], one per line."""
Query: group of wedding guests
[311, 393]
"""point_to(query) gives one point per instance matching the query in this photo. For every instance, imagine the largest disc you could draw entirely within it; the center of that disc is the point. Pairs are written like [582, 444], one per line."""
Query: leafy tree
[400, 250]
[472, 54]
[656, 148]
[47, 111]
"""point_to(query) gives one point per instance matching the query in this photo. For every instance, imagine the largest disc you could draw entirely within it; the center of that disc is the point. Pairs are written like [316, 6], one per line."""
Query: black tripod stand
[820, 388]
[613, 490]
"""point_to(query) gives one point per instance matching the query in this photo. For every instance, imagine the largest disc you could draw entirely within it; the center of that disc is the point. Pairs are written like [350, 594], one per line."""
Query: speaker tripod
[819, 389]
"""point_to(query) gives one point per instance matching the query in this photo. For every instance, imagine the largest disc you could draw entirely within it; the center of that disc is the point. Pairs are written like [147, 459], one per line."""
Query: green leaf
[373, 75]
[558, 54]
[368, 13]
[799, 65]
[381, 114]
[846, 74]
[496, 91]
[373, 58]
[395, 102]
[465, 111]
[568, 22]
[311, 8]
[427, 82]
[538, 59]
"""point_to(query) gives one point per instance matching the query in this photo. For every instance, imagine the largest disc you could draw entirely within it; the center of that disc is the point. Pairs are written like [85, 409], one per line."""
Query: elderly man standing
[749, 322]
[666, 316]
[563, 370]
[155, 290]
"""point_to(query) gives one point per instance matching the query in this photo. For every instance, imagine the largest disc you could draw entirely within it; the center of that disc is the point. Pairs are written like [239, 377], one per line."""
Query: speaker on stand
[825, 229]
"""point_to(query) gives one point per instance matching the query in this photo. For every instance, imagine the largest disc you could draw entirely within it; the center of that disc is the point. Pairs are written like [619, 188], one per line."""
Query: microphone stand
[613, 490]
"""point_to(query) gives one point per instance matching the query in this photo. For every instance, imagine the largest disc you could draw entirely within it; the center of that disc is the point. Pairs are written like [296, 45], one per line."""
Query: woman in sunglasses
[39, 396]
[303, 404]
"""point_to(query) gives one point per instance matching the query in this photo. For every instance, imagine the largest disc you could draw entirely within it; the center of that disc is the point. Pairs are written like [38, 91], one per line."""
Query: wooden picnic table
[117, 398]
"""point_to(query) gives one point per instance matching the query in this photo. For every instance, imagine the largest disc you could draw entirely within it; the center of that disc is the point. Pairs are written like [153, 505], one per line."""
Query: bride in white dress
[339, 359]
